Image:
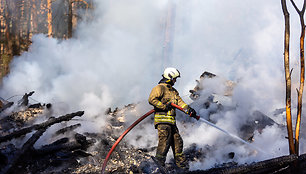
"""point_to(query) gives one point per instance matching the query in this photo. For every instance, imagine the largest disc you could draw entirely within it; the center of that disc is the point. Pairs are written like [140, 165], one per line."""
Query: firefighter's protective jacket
[159, 97]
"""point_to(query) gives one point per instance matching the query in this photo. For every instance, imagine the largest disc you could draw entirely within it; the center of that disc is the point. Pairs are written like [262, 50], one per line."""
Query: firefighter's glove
[168, 106]
[192, 113]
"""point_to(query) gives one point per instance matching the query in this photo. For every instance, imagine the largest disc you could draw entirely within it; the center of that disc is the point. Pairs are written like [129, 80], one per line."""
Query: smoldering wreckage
[73, 152]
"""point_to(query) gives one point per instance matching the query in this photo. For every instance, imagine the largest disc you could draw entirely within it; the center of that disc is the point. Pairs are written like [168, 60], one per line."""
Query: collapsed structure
[72, 152]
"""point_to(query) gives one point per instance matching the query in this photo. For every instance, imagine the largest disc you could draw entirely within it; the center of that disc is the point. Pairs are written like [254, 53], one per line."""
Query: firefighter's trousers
[168, 135]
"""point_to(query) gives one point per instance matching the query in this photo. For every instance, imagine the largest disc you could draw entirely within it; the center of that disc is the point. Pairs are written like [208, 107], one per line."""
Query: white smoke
[116, 60]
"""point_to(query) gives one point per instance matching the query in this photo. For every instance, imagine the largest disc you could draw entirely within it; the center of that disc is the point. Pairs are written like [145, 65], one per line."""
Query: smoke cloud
[116, 59]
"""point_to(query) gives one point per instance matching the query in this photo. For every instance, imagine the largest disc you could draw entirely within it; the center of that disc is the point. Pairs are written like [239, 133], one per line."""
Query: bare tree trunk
[16, 15]
[70, 18]
[22, 18]
[8, 46]
[29, 21]
[300, 93]
[2, 25]
[76, 6]
[49, 7]
[41, 20]
[34, 18]
[288, 77]
[2, 35]
[302, 74]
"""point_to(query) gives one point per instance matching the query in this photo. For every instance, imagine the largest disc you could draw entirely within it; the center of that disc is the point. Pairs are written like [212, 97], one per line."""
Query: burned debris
[43, 125]
[15, 128]
[200, 86]
[256, 121]
[66, 129]
[283, 164]
[10, 167]
[79, 153]
[220, 101]
[25, 99]
[7, 105]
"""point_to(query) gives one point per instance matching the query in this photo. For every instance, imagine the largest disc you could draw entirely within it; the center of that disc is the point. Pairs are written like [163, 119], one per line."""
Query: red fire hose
[180, 108]
[131, 127]
[122, 136]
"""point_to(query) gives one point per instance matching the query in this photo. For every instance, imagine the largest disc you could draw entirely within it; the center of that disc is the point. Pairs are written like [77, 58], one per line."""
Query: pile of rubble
[17, 129]
[71, 152]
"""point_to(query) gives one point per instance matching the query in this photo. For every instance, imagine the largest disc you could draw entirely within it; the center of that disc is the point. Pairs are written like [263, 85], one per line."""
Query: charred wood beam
[81, 143]
[266, 166]
[66, 129]
[57, 142]
[43, 125]
[6, 124]
[69, 146]
[302, 164]
[37, 105]
[19, 154]
[8, 105]
[25, 99]
[149, 149]
[55, 146]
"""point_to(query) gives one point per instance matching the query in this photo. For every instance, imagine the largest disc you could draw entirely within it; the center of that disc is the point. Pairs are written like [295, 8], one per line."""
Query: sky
[117, 59]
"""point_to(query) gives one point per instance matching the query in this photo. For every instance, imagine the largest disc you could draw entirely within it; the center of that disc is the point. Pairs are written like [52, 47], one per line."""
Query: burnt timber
[46, 124]
[281, 165]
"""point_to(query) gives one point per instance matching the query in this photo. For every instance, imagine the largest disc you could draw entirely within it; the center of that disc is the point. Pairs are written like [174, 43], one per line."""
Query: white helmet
[171, 73]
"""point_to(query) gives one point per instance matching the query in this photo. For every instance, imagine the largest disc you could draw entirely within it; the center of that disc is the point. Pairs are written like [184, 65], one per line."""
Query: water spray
[232, 135]
[222, 130]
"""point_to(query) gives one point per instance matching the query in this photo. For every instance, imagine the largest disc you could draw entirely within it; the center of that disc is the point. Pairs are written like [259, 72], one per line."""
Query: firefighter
[161, 98]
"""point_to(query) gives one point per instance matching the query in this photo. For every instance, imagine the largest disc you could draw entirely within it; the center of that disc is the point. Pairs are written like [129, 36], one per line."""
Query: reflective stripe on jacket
[159, 97]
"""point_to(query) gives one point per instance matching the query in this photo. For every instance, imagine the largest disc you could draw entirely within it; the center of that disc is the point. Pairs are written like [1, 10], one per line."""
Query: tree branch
[304, 5]
[296, 8]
